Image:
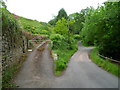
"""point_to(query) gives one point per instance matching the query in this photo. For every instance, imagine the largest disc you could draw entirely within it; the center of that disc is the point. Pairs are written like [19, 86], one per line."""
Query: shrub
[58, 41]
[71, 43]
[44, 32]
[60, 65]
[57, 37]
[77, 37]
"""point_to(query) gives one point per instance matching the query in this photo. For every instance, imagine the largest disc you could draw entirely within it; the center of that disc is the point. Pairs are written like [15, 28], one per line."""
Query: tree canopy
[101, 28]
[61, 14]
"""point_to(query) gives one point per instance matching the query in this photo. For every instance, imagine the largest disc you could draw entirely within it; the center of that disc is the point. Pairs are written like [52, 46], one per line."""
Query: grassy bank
[105, 64]
[64, 56]
[63, 59]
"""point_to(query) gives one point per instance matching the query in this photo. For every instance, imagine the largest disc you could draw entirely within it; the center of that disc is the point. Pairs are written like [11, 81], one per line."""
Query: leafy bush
[71, 43]
[44, 32]
[60, 65]
[9, 21]
[58, 41]
[77, 36]
[61, 27]
[56, 37]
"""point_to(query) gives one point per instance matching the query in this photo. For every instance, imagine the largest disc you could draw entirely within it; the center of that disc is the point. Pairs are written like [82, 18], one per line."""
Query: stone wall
[13, 46]
[14, 42]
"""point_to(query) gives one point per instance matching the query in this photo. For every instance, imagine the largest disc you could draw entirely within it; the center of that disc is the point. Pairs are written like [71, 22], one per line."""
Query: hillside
[33, 26]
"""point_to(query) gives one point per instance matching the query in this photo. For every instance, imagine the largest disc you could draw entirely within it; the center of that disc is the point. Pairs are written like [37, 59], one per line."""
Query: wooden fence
[110, 59]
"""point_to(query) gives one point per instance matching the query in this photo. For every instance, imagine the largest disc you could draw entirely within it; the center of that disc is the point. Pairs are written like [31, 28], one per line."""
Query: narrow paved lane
[37, 72]
[83, 73]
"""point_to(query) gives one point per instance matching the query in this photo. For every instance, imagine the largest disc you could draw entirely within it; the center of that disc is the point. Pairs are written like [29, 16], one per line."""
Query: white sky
[44, 10]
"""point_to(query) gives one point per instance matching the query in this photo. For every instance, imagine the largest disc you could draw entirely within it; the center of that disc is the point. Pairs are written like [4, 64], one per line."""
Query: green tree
[101, 28]
[52, 22]
[2, 4]
[62, 14]
[77, 25]
[61, 27]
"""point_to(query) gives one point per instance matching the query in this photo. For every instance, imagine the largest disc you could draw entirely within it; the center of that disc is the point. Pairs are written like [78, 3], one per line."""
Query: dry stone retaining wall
[14, 44]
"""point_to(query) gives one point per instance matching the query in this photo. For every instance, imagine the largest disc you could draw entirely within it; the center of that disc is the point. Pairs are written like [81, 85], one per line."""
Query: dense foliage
[9, 23]
[64, 44]
[78, 18]
[101, 28]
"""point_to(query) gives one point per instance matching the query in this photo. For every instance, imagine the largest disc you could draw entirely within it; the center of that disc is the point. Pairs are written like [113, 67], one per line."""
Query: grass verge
[63, 59]
[105, 64]
[10, 72]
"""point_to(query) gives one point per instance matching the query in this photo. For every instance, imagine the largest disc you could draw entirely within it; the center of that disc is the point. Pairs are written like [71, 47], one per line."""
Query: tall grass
[105, 64]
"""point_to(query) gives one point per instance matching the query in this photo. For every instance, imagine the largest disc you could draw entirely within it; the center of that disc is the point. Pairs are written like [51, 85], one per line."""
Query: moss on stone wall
[14, 41]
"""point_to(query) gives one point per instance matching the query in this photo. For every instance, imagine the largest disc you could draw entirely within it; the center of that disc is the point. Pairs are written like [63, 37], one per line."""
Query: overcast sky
[44, 10]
